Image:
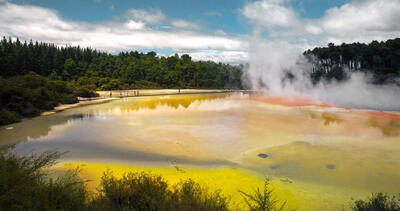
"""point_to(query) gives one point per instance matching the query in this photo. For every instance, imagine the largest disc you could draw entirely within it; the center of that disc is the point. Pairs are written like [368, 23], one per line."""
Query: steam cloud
[277, 67]
[271, 62]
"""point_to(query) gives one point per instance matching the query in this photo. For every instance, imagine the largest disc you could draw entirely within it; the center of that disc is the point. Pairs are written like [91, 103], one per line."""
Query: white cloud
[220, 32]
[363, 21]
[153, 16]
[177, 23]
[132, 31]
[313, 29]
[358, 20]
[131, 24]
[230, 57]
[272, 14]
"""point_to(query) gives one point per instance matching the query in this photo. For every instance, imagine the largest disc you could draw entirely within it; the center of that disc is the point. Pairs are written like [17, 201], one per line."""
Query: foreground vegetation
[26, 184]
[378, 202]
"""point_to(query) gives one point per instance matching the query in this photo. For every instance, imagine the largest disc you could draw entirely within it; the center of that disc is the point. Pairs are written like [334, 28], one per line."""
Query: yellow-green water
[319, 157]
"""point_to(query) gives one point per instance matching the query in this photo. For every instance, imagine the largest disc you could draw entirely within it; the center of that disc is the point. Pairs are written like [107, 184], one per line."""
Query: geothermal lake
[319, 156]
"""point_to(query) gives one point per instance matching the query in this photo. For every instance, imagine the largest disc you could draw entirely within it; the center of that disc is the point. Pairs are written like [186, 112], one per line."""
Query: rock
[274, 167]
[262, 155]
[9, 128]
[179, 169]
[330, 166]
[286, 180]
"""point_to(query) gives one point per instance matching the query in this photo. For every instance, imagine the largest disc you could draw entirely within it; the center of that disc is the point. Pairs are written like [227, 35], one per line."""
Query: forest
[38, 76]
[103, 71]
[379, 59]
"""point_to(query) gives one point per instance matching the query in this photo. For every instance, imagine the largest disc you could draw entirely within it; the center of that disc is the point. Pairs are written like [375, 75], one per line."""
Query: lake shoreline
[105, 97]
[63, 107]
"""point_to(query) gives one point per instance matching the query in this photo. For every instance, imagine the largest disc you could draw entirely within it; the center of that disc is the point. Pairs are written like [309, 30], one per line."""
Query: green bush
[25, 186]
[189, 195]
[144, 191]
[142, 84]
[134, 191]
[29, 95]
[67, 99]
[8, 117]
[84, 92]
[262, 200]
[378, 202]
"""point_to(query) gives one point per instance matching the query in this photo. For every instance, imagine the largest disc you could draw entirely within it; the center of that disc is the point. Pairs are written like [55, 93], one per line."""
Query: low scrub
[24, 185]
[144, 191]
[378, 202]
[263, 199]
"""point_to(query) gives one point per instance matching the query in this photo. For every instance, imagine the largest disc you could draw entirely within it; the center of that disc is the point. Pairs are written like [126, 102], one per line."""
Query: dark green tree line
[380, 59]
[104, 71]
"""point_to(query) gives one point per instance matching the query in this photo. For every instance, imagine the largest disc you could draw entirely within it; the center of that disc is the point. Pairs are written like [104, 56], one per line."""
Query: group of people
[135, 93]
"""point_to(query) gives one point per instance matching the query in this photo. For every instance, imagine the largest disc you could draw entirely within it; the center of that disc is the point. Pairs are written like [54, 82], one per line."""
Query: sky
[218, 30]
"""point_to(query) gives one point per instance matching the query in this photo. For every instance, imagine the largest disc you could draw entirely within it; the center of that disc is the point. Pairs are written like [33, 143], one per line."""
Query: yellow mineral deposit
[319, 156]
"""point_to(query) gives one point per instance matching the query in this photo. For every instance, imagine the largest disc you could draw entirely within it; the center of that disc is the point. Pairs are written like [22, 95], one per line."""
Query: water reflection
[80, 116]
[317, 144]
[125, 129]
[387, 127]
[327, 118]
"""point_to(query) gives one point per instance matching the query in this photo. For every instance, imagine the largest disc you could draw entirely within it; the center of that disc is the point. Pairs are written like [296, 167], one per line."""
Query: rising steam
[277, 66]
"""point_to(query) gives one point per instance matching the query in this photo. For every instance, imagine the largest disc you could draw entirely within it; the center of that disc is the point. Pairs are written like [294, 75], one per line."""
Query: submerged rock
[274, 167]
[287, 180]
[330, 166]
[179, 169]
[262, 155]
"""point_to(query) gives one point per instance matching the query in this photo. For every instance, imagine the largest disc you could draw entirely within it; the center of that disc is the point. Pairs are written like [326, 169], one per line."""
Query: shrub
[25, 186]
[84, 92]
[188, 195]
[378, 202]
[8, 117]
[67, 99]
[29, 95]
[144, 191]
[142, 84]
[134, 191]
[262, 200]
